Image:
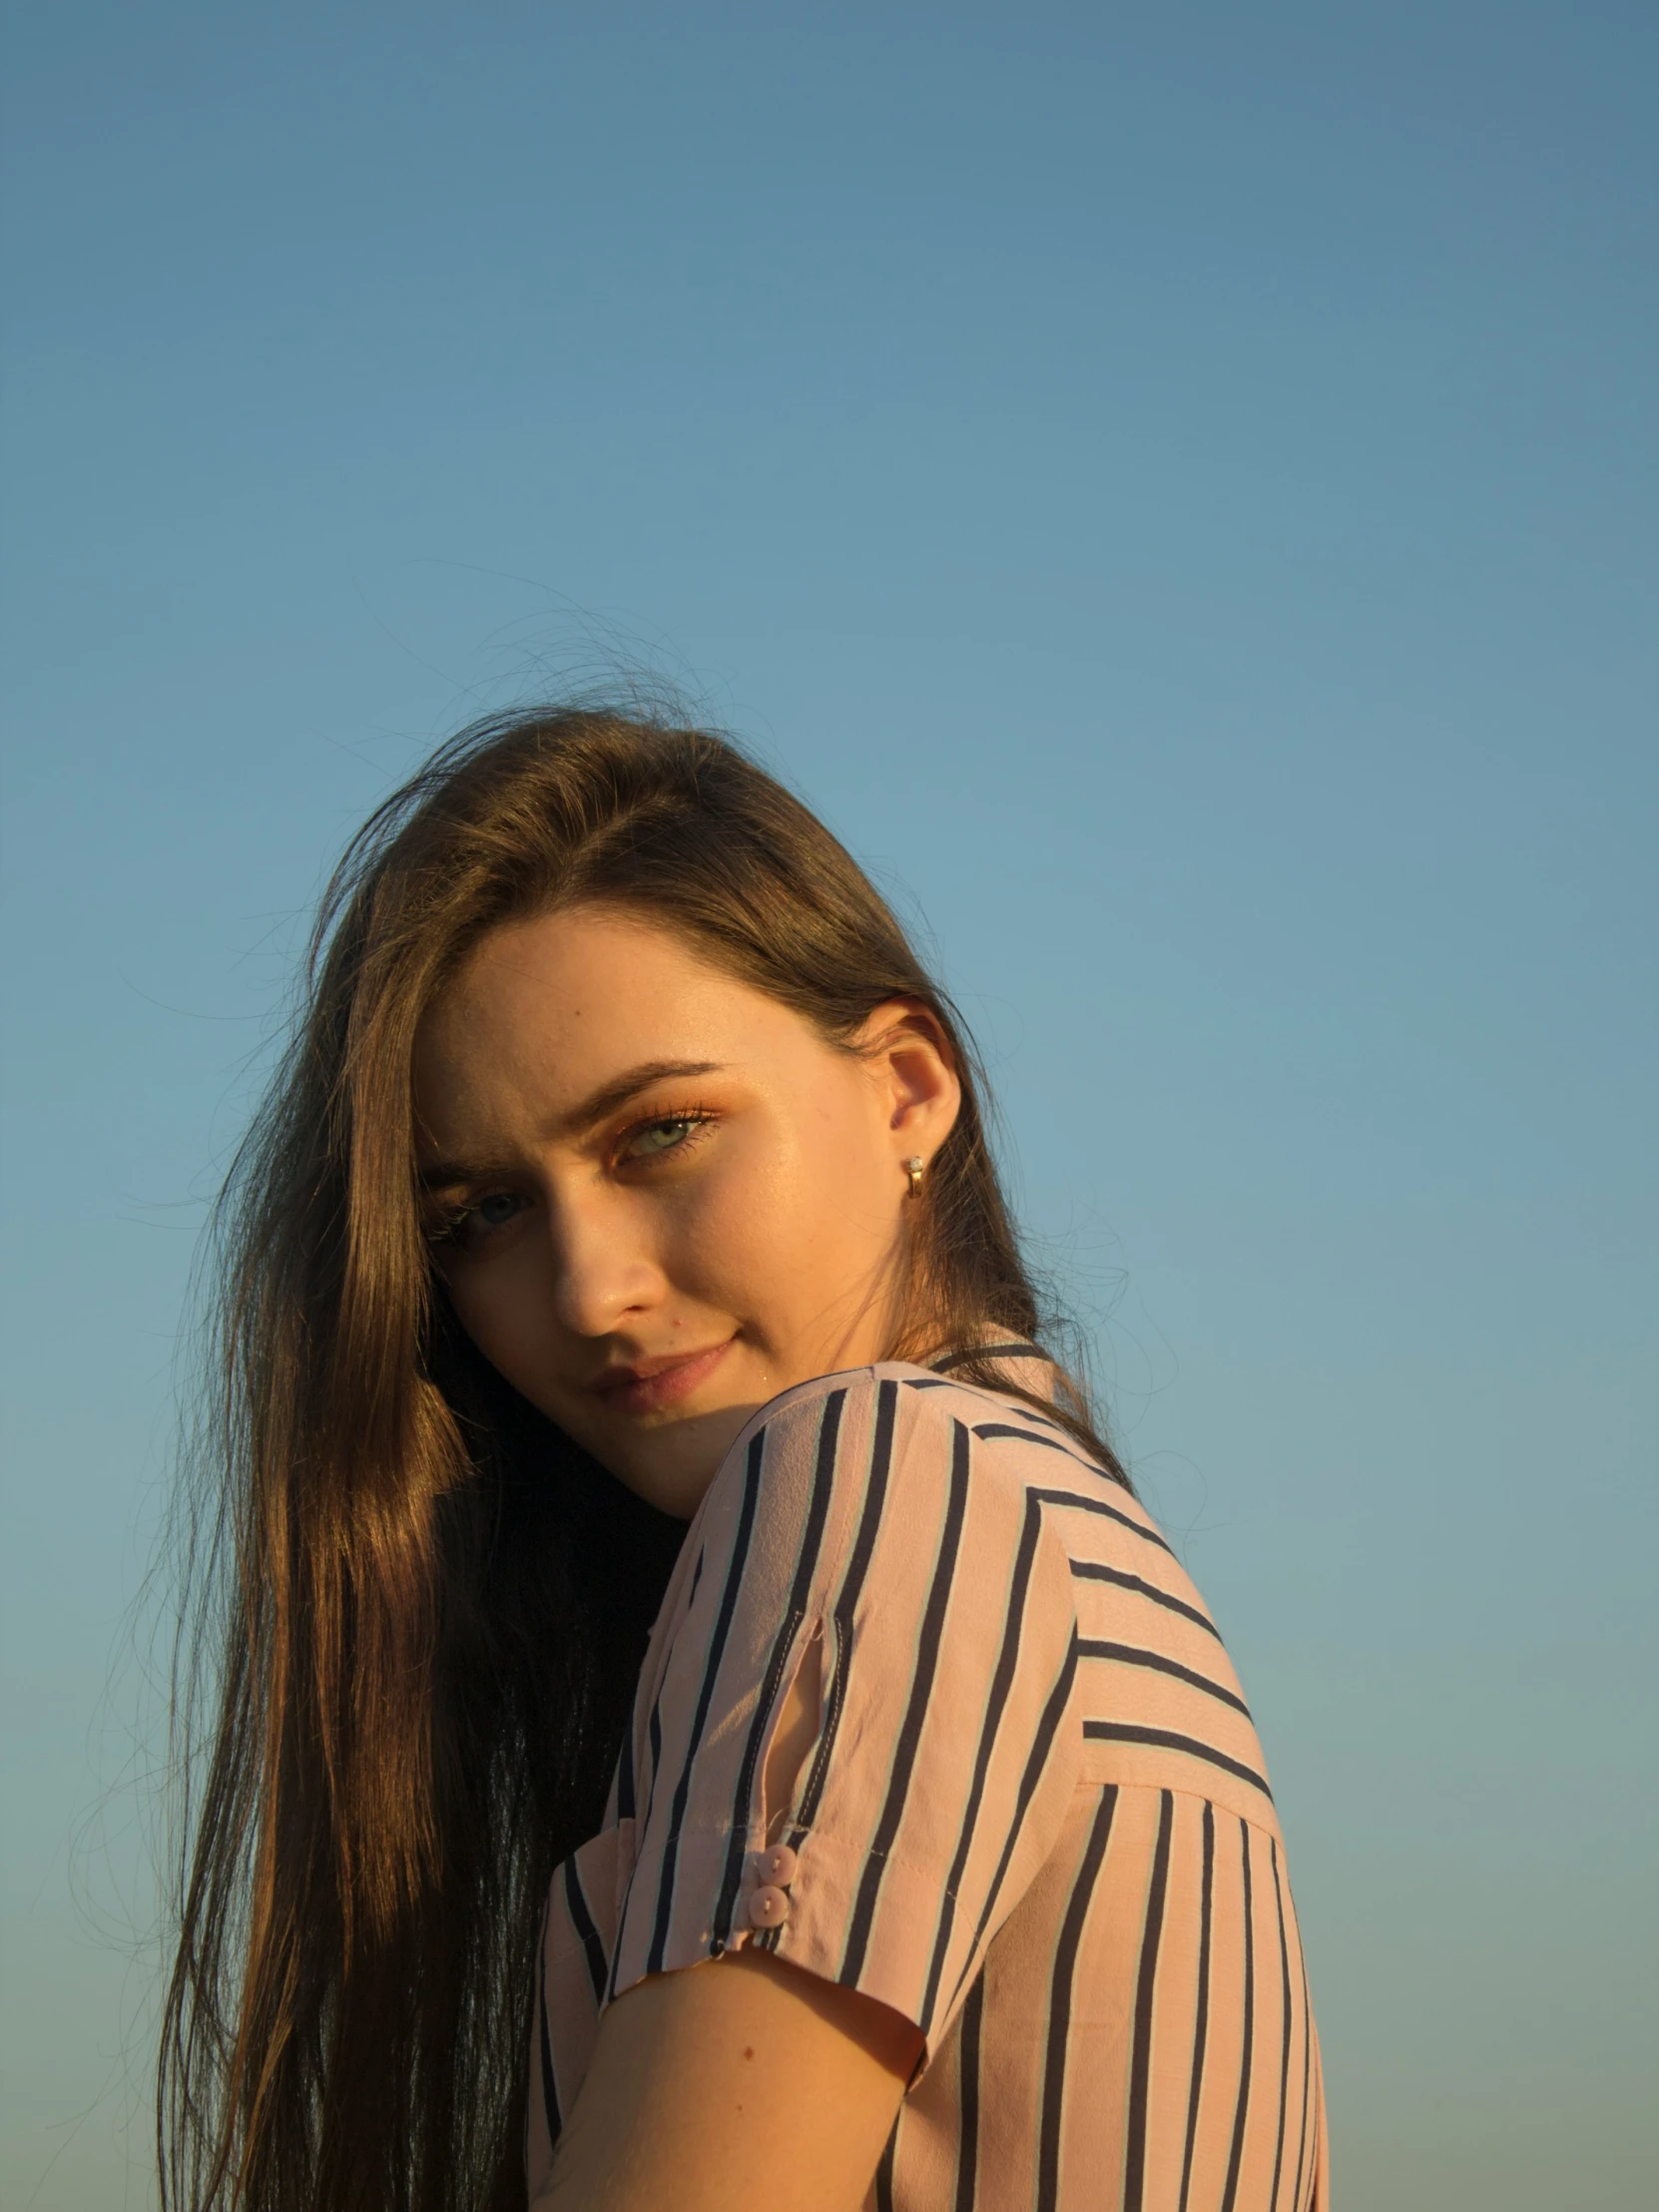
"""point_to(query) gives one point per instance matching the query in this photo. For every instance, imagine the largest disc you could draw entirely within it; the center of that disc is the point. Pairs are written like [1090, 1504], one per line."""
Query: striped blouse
[1035, 1820]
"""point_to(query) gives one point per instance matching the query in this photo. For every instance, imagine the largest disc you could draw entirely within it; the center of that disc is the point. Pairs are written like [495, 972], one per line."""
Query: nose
[604, 1273]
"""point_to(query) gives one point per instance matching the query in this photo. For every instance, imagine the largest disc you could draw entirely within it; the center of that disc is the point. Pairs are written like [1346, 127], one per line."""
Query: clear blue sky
[1175, 486]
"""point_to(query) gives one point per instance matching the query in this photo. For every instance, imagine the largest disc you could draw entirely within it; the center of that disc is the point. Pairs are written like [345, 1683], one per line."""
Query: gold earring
[912, 1168]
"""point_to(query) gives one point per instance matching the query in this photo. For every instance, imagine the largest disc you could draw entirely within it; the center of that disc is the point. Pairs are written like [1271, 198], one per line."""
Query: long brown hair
[418, 1608]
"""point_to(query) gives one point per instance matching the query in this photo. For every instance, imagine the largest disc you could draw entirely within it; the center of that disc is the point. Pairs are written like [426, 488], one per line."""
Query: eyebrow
[596, 1107]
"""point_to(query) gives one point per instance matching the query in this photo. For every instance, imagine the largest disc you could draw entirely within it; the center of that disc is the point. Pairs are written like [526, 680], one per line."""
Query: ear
[915, 1072]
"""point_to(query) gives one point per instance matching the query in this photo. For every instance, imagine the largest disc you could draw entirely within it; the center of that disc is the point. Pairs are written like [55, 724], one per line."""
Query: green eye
[662, 1136]
[658, 1136]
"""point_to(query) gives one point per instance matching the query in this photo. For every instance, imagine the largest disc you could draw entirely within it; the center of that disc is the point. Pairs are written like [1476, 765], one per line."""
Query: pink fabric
[1036, 1819]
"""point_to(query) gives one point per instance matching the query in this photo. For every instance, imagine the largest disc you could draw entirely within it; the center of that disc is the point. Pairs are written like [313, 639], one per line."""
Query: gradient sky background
[1174, 486]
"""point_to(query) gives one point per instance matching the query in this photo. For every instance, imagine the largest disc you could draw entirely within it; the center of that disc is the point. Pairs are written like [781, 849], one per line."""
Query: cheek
[792, 1213]
[505, 1311]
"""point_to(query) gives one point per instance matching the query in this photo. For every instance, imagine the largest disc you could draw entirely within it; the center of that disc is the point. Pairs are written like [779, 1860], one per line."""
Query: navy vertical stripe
[1307, 2069]
[846, 1600]
[653, 1740]
[811, 1543]
[549, 2088]
[834, 1698]
[1285, 2053]
[717, 1651]
[1146, 1982]
[654, 1735]
[967, 2152]
[1247, 2057]
[654, 1726]
[1201, 2016]
[582, 1921]
[1059, 2002]
[544, 2047]
[1042, 1745]
[875, 1499]
[1001, 1682]
[915, 1713]
[884, 2171]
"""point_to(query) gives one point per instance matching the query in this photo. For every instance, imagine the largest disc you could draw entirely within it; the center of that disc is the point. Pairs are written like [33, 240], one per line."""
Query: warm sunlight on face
[659, 1196]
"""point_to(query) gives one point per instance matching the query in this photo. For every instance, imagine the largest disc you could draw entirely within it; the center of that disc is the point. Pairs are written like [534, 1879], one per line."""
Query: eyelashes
[465, 1227]
[636, 1148]
[659, 1137]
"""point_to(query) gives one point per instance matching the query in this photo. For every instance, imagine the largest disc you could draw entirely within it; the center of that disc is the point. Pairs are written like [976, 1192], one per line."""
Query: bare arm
[743, 2081]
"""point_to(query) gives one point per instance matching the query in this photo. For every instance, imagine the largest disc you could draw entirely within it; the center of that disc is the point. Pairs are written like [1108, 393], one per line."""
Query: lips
[652, 1384]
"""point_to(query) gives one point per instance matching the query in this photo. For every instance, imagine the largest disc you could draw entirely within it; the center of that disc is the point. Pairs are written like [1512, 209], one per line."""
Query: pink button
[776, 1864]
[768, 1908]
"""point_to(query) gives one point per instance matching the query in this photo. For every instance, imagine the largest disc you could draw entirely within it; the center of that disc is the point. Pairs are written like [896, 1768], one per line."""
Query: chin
[678, 1459]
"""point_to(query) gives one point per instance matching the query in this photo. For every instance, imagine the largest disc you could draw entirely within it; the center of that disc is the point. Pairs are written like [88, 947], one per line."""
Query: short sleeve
[863, 1523]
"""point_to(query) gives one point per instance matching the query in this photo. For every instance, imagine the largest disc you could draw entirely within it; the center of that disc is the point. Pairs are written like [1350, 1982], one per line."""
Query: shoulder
[923, 1403]
[871, 1422]
[833, 1465]
[873, 1463]
[839, 1429]
[842, 1472]
[835, 1424]
[859, 1534]
[815, 1460]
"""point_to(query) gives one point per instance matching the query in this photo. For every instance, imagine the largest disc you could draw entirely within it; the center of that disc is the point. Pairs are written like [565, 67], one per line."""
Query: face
[657, 1196]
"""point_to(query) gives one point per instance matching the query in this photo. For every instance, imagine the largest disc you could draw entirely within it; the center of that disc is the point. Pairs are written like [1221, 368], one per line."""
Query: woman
[678, 1624]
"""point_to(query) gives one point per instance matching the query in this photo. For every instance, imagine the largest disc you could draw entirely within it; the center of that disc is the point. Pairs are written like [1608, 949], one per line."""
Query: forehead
[546, 1011]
